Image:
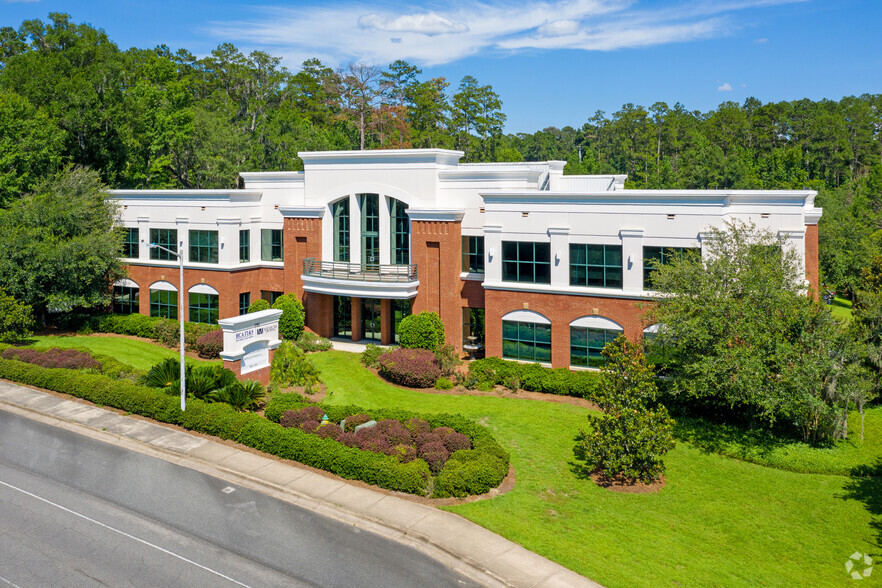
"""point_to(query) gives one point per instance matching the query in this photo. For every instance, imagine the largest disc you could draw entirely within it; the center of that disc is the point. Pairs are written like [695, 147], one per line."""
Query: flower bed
[70, 359]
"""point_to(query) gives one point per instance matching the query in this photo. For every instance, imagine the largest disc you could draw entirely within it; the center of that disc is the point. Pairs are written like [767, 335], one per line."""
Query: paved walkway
[459, 544]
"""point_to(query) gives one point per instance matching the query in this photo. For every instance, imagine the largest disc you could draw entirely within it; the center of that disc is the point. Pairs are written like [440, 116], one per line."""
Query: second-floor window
[271, 245]
[597, 266]
[203, 246]
[168, 238]
[130, 243]
[473, 254]
[244, 246]
[656, 256]
[525, 261]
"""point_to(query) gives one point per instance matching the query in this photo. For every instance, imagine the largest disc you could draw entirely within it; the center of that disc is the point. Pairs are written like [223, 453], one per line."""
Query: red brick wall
[437, 251]
[229, 283]
[262, 375]
[561, 310]
[303, 239]
[811, 259]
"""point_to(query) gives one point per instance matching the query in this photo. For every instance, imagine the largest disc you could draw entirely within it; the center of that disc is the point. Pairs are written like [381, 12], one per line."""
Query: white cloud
[726, 87]
[348, 30]
[762, 41]
[428, 24]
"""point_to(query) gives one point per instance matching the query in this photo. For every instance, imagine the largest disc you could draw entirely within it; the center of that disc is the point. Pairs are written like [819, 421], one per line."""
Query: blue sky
[553, 63]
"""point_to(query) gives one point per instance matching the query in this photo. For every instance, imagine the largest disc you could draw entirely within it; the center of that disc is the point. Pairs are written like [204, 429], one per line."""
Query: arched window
[125, 296]
[204, 304]
[588, 336]
[164, 300]
[526, 335]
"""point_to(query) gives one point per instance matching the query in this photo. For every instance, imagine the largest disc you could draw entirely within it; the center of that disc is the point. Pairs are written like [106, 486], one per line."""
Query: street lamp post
[180, 257]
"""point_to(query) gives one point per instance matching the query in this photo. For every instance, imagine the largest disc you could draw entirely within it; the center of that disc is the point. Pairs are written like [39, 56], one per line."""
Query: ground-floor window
[164, 303]
[125, 300]
[586, 345]
[526, 341]
[204, 308]
[342, 316]
[400, 309]
[473, 325]
[244, 302]
[270, 295]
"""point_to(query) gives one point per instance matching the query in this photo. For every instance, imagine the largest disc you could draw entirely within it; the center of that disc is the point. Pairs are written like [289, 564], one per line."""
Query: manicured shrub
[469, 473]
[355, 420]
[280, 402]
[405, 453]
[291, 321]
[422, 331]
[423, 439]
[395, 432]
[310, 342]
[442, 432]
[447, 359]
[310, 426]
[295, 418]
[370, 357]
[348, 439]
[258, 305]
[443, 383]
[70, 359]
[456, 441]
[291, 367]
[332, 430]
[434, 454]
[210, 345]
[417, 426]
[415, 368]
[492, 371]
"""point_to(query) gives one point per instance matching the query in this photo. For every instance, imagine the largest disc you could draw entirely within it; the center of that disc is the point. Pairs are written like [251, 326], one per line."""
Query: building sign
[249, 338]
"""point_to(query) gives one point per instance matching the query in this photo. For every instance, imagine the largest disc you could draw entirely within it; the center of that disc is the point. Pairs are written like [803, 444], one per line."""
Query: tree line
[154, 118]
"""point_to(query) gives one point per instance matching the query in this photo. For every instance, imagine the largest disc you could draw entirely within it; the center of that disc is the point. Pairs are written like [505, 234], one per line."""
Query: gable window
[168, 238]
[340, 212]
[473, 254]
[203, 246]
[524, 261]
[597, 266]
[526, 341]
[245, 246]
[656, 256]
[271, 245]
[130, 247]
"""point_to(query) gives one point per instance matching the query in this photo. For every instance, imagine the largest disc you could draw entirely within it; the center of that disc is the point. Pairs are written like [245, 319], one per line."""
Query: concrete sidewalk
[457, 543]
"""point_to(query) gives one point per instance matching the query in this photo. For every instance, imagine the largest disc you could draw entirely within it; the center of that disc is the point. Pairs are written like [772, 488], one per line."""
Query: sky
[553, 63]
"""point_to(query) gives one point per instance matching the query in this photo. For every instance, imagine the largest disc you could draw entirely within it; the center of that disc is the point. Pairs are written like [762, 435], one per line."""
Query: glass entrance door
[342, 316]
[370, 231]
[370, 319]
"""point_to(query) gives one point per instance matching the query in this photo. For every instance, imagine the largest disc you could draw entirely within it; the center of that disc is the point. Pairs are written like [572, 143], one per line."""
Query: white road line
[2, 579]
[123, 533]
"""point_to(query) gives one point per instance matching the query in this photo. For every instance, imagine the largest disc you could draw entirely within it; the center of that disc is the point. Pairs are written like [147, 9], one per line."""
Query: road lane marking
[2, 579]
[123, 533]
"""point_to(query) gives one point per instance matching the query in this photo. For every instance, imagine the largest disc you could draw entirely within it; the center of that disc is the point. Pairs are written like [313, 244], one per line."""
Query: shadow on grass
[865, 485]
[727, 439]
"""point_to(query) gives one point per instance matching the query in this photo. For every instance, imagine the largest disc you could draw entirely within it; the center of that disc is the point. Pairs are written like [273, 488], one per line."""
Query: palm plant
[166, 374]
[242, 396]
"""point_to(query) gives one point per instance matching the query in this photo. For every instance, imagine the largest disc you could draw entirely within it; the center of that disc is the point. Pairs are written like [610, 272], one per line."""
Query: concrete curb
[457, 543]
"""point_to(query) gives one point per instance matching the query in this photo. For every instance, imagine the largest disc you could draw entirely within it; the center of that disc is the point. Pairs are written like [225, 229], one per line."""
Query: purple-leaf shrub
[414, 368]
[310, 426]
[435, 455]
[210, 344]
[426, 438]
[53, 358]
[354, 420]
[456, 441]
[417, 426]
[330, 430]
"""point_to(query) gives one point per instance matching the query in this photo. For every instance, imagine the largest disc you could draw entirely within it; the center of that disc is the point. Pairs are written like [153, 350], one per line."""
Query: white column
[354, 230]
[632, 259]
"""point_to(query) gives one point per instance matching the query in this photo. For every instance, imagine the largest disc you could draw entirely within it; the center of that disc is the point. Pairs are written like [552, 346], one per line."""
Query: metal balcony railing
[362, 272]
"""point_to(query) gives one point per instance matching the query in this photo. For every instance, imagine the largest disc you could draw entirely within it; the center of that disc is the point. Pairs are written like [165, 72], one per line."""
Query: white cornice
[184, 194]
[445, 157]
[722, 198]
[231, 220]
[451, 215]
[302, 211]
[272, 176]
[813, 215]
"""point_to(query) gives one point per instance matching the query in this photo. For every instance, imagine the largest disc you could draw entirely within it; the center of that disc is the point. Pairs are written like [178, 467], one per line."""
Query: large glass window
[130, 247]
[270, 295]
[203, 246]
[400, 309]
[400, 233]
[203, 308]
[168, 238]
[245, 246]
[586, 345]
[655, 256]
[524, 261]
[342, 316]
[526, 341]
[473, 325]
[473, 254]
[340, 212]
[271, 245]
[125, 300]
[244, 302]
[164, 303]
[599, 266]
[370, 229]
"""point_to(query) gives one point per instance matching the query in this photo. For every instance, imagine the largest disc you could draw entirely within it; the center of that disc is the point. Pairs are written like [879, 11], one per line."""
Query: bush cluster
[281, 402]
[291, 367]
[370, 357]
[292, 319]
[223, 421]
[16, 318]
[310, 342]
[70, 359]
[414, 368]
[258, 305]
[493, 371]
[210, 345]
[422, 331]
[164, 330]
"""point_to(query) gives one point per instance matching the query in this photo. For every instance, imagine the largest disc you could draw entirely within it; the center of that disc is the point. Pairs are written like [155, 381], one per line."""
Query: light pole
[180, 257]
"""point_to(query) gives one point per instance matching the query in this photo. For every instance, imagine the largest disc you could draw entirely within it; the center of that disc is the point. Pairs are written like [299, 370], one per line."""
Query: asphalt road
[78, 512]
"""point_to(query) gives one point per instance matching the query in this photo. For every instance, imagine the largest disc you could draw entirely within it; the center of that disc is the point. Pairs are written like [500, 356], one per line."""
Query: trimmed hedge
[421, 331]
[533, 377]
[164, 330]
[415, 368]
[292, 319]
[223, 421]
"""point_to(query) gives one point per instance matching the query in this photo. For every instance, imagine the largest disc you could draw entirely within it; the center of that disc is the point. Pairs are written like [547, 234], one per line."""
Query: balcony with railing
[364, 280]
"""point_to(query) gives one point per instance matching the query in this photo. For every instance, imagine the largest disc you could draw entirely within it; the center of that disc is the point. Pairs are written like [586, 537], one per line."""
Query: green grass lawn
[841, 308]
[718, 521]
[138, 354]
